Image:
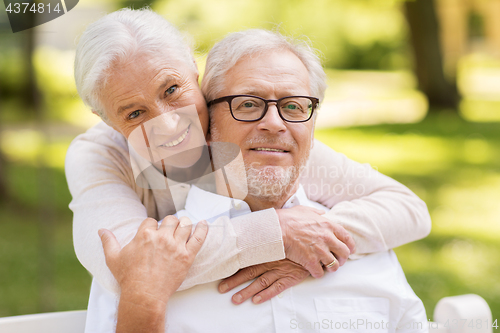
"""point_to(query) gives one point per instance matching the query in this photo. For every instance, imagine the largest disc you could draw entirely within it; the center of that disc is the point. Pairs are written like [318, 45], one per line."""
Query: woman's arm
[379, 212]
[105, 195]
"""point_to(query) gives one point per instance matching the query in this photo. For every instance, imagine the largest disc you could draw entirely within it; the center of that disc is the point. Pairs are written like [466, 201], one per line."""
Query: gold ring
[332, 263]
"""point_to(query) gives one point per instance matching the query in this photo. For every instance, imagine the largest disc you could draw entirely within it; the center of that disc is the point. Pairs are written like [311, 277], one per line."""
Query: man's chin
[270, 182]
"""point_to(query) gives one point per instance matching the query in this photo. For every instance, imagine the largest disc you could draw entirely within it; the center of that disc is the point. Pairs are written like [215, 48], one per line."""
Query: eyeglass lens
[251, 108]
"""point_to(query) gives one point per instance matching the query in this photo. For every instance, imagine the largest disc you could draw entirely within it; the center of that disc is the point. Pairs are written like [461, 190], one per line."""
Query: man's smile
[276, 150]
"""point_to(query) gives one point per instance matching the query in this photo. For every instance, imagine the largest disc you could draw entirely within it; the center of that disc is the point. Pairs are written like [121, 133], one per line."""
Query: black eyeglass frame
[229, 99]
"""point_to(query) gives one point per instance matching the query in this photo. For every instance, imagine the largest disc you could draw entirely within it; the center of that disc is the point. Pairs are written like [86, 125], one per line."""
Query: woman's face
[156, 103]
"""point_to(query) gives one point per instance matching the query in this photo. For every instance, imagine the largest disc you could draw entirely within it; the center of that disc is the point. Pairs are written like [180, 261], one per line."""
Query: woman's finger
[331, 264]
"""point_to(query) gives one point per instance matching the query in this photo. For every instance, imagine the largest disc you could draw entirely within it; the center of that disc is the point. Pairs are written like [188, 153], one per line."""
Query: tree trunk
[428, 61]
[4, 194]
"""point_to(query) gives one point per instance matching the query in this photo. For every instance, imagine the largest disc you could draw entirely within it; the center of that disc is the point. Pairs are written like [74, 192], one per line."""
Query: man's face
[141, 97]
[273, 150]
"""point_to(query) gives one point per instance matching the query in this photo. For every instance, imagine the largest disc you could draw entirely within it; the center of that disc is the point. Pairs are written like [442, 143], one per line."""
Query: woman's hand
[150, 269]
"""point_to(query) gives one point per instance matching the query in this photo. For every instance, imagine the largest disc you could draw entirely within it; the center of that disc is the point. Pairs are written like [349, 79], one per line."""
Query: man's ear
[312, 132]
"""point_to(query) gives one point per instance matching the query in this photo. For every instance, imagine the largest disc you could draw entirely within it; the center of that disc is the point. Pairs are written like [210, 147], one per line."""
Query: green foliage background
[451, 159]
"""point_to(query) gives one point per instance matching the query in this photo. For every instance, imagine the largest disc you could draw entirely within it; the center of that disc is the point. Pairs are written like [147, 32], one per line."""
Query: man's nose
[272, 121]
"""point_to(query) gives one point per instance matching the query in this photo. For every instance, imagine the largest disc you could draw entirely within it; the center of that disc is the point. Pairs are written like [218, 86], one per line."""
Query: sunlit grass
[371, 97]
[479, 83]
[23, 228]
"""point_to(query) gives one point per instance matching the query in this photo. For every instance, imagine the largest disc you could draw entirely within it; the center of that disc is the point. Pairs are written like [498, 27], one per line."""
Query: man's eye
[134, 114]
[171, 90]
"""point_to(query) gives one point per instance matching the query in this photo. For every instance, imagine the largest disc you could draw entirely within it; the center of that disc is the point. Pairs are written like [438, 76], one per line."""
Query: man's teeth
[270, 149]
[177, 141]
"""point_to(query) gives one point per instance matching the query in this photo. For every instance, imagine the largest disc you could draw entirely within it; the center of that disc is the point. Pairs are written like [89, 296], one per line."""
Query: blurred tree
[31, 93]
[424, 31]
[3, 187]
[32, 100]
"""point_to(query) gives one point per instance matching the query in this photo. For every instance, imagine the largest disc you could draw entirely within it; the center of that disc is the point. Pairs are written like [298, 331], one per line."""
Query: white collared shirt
[366, 295]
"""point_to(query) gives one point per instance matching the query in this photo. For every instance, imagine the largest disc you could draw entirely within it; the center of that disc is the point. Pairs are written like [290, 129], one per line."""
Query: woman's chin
[184, 159]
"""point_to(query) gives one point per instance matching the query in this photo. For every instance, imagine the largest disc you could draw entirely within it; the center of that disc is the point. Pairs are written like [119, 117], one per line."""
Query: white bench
[462, 314]
[54, 322]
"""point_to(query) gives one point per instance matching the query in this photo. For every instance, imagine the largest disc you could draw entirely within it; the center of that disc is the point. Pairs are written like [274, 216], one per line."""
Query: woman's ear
[103, 119]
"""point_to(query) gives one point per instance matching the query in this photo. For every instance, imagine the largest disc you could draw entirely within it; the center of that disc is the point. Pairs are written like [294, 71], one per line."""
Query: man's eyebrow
[251, 91]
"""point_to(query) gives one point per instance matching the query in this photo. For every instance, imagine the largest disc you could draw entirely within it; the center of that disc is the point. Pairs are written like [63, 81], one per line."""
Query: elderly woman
[132, 67]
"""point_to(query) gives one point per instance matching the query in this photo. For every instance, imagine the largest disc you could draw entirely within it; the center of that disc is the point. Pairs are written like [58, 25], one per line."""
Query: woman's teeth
[178, 140]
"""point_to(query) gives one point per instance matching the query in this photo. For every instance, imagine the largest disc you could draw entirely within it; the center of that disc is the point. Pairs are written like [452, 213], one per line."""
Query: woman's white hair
[226, 53]
[120, 36]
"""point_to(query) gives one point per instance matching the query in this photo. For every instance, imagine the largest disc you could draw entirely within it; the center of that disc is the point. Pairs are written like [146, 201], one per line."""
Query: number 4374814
[472, 323]
[22, 7]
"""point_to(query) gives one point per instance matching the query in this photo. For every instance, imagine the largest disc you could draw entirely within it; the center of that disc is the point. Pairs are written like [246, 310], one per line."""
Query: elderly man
[132, 67]
[265, 102]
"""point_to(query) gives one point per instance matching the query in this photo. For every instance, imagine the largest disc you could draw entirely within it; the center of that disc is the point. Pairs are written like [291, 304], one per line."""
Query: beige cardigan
[379, 212]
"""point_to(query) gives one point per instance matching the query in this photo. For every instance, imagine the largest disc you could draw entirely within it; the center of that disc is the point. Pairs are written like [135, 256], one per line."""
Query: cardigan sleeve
[104, 194]
[379, 212]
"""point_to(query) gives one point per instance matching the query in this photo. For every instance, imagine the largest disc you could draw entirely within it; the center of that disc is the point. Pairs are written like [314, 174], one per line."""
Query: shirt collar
[204, 205]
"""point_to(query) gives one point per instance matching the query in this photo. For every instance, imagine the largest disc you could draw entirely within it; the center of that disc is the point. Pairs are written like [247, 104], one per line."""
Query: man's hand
[156, 261]
[312, 240]
[150, 269]
[272, 278]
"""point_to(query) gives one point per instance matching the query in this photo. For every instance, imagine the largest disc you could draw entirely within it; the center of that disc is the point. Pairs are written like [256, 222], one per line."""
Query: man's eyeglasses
[293, 109]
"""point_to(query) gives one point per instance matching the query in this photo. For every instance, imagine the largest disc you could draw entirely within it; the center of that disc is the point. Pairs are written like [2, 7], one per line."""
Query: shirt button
[280, 295]
[237, 206]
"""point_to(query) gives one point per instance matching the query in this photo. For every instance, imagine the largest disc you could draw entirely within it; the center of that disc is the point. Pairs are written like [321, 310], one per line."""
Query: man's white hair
[226, 53]
[120, 36]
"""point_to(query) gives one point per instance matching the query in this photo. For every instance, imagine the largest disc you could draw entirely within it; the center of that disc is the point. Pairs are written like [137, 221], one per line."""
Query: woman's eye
[171, 90]
[134, 114]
